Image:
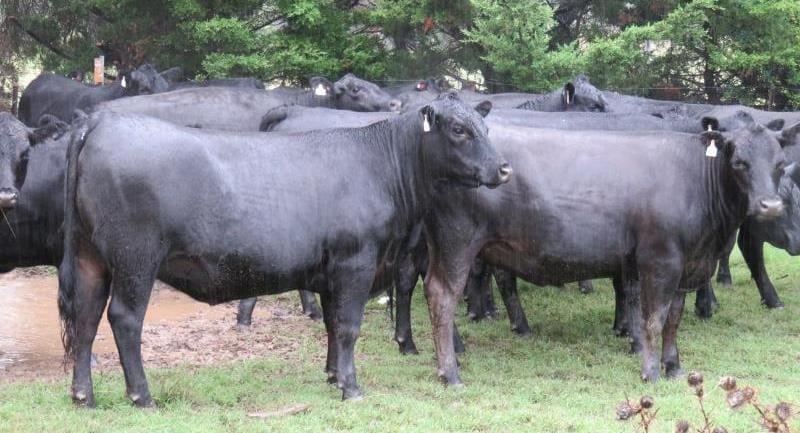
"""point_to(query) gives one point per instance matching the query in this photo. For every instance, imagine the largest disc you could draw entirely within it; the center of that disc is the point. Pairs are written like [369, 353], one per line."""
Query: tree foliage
[706, 50]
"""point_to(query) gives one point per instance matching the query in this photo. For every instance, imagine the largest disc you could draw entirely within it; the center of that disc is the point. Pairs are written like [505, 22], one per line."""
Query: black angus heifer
[16, 143]
[577, 95]
[349, 93]
[782, 232]
[646, 207]
[61, 96]
[188, 207]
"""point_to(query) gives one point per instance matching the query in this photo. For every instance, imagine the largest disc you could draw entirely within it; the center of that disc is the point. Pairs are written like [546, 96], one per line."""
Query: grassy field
[568, 378]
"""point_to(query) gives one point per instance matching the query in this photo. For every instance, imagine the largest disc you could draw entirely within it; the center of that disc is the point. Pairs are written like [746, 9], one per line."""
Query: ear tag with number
[320, 90]
[426, 124]
[711, 150]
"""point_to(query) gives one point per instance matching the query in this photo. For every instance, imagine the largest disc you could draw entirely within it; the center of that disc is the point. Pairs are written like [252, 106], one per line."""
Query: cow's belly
[217, 279]
[543, 269]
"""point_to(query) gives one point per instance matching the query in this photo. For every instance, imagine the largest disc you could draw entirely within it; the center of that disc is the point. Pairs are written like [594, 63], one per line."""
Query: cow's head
[756, 160]
[581, 95]
[353, 93]
[456, 146]
[144, 80]
[16, 140]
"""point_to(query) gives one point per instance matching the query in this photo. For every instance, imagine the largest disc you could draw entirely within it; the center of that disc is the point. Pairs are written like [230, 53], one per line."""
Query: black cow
[644, 207]
[341, 203]
[782, 232]
[577, 95]
[29, 233]
[417, 93]
[61, 96]
[349, 93]
[16, 141]
[243, 82]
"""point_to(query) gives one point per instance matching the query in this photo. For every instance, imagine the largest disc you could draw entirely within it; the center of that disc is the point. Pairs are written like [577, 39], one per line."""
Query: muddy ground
[177, 330]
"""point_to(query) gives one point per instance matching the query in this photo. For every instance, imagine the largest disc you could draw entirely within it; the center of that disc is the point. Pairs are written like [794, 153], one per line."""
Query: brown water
[30, 341]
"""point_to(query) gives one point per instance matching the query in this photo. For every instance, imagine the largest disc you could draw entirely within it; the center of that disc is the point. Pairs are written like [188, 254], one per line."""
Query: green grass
[568, 378]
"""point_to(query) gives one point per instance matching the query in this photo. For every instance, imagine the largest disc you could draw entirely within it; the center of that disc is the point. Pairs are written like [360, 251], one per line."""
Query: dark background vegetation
[719, 51]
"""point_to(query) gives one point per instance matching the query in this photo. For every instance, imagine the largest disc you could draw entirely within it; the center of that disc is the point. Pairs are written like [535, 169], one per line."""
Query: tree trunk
[14, 89]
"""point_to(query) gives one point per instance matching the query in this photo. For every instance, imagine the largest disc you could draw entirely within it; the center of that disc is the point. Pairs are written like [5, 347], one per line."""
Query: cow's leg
[130, 292]
[480, 303]
[350, 285]
[659, 275]
[632, 312]
[444, 283]
[669, 354]
[723, 266]
[309, 303]
[507, 284]
[244, 316]
[405, 281]
[91, 295]
[328, 314]
[704, 302]
[586, 286]
[621, 326]
[753, 251]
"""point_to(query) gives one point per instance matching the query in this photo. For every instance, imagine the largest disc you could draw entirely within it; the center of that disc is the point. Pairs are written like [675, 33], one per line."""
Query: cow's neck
[112, 91]
[727, 204]
[308, 99]
[401, 149]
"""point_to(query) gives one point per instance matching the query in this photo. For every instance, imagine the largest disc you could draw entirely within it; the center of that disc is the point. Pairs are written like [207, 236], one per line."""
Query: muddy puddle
[177, 329]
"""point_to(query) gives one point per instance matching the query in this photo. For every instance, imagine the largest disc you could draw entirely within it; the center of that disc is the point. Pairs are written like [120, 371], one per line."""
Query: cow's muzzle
[769, 208]
[8, 198]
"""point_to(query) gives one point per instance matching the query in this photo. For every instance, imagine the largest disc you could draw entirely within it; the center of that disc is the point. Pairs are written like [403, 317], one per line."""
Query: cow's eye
[740, 165]
[356, 89]
[457, 130]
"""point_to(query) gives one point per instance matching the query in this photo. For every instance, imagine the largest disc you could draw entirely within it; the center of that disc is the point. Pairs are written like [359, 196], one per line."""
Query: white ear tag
[711, 150]
[426, 125]
[320, 90]
[123, 83]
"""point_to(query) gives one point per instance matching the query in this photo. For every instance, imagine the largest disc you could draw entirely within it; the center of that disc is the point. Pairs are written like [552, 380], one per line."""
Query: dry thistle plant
[775, 419]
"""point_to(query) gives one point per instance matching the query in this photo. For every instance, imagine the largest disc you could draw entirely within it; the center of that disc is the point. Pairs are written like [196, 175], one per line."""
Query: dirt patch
[177, 330]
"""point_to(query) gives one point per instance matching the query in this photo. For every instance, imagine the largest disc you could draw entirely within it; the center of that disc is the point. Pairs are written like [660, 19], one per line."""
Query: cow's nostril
[8, 198]
[395, 105]
[770, 207]
[504, 172]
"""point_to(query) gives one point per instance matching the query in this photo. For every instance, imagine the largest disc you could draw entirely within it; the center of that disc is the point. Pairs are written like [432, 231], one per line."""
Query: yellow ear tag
[711, 150]
[426, 125]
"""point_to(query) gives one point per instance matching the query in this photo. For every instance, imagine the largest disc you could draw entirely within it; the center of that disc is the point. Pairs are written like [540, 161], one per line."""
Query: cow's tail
[273, 117]
[67, 274]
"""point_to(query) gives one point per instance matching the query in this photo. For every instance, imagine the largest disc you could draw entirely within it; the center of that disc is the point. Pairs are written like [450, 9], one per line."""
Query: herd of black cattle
[228, 191]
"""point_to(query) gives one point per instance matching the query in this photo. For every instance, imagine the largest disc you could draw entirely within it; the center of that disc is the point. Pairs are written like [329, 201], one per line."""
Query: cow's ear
[428, 118]
[713, 142]
[788, 137]
[321, 87]
[569, 93]
[775, 124]
[49, 127]
[484, 108]
[710, 124]
[793, 171]
[172, 75]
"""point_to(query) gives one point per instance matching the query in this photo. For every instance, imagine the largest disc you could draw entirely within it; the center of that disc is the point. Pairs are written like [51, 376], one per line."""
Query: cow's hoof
[314, 315]
[636, 347]
[242, 327]
[772, 305]
[475, 317]
[523, 331]
[704, 312]
[725, 280]
[650, 377]
[586, 287]
[408, 348]
[674, 372]
[451, 379]
[352, 394]
[83, 399]
[143, 402]
[621, 331]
